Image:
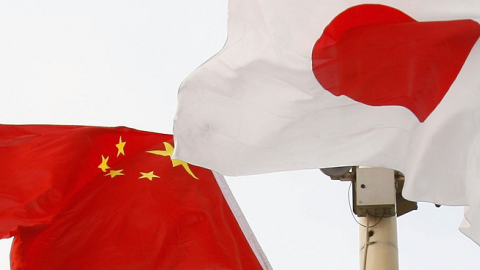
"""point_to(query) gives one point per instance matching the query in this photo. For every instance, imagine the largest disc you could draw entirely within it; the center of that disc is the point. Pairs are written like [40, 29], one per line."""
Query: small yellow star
[175, 162]
[149, 176]
[114, 173]
[104, 165]
[120, 145]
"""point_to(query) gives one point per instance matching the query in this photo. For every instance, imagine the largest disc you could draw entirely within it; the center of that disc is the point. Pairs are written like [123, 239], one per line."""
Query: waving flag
[311, 84]
[112, 198]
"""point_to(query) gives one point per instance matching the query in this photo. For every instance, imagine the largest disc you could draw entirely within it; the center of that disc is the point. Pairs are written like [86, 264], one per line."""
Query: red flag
[112, 198]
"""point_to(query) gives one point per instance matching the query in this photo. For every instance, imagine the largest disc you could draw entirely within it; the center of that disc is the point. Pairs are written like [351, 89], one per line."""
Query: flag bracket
[349, 173]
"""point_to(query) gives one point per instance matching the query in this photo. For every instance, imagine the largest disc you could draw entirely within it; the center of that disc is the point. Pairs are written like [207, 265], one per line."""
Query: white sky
[112, 63]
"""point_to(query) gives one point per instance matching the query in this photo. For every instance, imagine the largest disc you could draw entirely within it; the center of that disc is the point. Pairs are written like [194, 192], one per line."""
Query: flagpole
[375, 204]
[378, 243]
[377, 201]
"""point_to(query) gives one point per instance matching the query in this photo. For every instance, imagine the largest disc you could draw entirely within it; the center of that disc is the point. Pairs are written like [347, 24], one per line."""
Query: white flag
[315, 83]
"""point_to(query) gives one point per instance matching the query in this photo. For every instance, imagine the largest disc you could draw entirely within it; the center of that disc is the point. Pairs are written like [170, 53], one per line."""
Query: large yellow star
[114, 173]
[120, 145]
[149, 175]
[175, 162]
[104, 165]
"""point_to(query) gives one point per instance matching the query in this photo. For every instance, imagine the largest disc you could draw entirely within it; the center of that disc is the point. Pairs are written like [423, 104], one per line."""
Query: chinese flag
[112, 198]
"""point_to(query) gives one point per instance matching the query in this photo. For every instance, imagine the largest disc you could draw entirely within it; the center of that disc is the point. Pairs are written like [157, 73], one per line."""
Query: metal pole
[378, 243]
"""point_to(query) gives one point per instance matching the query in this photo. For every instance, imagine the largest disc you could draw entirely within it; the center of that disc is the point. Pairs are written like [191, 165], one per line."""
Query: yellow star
[104, 165]
[149, 175]
[114, 173]
[175, 162]
[120, 145]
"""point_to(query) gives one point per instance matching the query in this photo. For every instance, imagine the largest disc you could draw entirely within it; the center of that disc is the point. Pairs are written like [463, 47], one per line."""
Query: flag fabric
[77, 197]
[324, 83]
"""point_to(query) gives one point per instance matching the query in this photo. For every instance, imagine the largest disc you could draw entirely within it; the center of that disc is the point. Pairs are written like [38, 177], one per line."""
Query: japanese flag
[324, 83]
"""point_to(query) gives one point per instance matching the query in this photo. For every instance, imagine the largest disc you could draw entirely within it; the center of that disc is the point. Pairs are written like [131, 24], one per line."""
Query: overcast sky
[119, 63]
